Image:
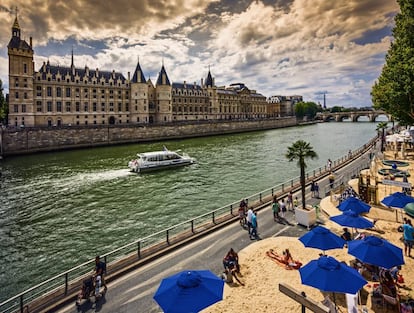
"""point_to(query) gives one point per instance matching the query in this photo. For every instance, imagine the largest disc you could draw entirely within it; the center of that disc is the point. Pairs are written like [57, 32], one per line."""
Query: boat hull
[157, 167]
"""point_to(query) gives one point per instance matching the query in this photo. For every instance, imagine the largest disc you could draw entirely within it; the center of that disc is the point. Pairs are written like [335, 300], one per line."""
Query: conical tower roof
[16, 24]
[209, 79]
[163, 77]
[138, 75]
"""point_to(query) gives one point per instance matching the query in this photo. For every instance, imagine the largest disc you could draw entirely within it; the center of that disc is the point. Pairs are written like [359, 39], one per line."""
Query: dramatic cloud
[273, 46]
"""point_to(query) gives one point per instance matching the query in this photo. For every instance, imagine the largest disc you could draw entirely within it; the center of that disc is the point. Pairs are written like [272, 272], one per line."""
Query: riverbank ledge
[17, 141]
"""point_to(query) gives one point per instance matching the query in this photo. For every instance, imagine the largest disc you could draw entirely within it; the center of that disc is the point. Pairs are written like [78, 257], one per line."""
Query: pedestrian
[317, 190]
[295, 203]
[331, 180]
[100, 271]
[282, 208]
[249, 220]
[408, 237]
[329, 164]
[312, 189]
[275, 209]
[289, 202]
[253, 234]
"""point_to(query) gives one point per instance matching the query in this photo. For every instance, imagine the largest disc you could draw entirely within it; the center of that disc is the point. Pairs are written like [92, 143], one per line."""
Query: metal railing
[69, 282]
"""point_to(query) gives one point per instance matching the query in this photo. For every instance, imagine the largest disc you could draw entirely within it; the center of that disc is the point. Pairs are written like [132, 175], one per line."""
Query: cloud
[274, 46]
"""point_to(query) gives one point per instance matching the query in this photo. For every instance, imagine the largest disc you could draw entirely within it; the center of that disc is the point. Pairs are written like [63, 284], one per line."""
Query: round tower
[21, 70]
[163, 98]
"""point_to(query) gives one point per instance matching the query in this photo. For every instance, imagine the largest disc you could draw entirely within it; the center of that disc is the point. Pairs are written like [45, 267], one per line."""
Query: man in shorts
[408, 237]
[100, 270]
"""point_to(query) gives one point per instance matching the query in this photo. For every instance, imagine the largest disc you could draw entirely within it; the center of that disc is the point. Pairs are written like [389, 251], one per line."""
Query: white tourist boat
[156, 160]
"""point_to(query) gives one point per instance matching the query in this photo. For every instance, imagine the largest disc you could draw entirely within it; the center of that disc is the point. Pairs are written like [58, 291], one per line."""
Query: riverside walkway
[133, 291]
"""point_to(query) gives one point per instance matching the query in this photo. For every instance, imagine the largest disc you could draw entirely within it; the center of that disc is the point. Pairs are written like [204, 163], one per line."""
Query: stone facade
[31, 140]
[57, 96]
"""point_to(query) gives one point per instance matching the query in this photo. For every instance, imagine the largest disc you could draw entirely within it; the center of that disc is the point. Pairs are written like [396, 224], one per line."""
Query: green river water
[60, 209]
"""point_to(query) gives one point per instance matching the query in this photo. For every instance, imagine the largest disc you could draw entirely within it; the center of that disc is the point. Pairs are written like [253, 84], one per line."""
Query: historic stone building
[68, 96]
[282, 105]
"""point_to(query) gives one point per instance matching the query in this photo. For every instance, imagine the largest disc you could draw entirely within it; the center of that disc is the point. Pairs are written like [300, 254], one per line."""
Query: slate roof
[138, 71]
[209, 80]
[54, 70]
[159, 80]
[17, 43]
[187, 86]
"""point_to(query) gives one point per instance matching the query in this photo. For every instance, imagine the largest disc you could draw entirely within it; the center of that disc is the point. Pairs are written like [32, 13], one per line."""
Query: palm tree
[381, 128]
[301, 150]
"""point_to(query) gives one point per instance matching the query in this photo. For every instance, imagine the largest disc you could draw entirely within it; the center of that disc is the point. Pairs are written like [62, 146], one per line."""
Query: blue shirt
[408, 232]
[254, 221]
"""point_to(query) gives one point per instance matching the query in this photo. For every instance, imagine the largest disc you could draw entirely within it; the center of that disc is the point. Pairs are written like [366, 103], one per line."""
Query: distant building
[283, 105]
[57, 96]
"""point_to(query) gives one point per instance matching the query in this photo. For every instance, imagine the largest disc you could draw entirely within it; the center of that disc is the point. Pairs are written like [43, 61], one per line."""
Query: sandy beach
[262, 275]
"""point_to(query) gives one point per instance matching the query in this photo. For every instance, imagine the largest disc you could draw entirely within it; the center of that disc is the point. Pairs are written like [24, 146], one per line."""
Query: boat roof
[154, 153]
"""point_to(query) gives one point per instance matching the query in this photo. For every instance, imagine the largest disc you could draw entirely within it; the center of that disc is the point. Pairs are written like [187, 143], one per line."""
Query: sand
[261, 275]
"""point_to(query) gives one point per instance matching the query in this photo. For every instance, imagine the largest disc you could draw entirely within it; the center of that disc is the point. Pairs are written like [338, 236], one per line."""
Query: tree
[301, 150]
[394, 90]
[308, 109]
[381, 127]
[3, 105]
[336, 109]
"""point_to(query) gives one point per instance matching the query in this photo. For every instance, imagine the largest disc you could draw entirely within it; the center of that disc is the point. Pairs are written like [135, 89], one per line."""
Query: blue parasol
[354, 204]
[322, 238]
[397, 200]
[327, 274]
[351, 219]
[189, 291]
[376, 251]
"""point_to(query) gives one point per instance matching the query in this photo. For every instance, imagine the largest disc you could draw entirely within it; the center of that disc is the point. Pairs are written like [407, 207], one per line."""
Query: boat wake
[101, 176]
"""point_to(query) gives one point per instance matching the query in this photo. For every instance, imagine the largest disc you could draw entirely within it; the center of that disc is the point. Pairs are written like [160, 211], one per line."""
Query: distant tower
[209, 84]
[324, 100]
[139, 93]
[21, 70]
[163, 97]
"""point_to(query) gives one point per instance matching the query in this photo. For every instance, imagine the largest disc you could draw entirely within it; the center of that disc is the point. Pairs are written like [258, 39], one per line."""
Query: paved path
[134, 292]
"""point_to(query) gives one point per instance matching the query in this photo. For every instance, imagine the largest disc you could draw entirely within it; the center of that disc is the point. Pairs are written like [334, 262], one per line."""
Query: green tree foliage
[394, 90]
[308, 109]
[381, 127]
[3, 105]
[300, 151]
[336, 109]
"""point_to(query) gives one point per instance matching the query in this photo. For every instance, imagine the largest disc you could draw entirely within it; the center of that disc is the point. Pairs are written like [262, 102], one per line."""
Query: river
[60, 209]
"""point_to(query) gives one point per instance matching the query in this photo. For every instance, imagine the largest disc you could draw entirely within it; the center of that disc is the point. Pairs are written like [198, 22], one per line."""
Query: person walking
[249, 220]
[100, 271]
[282, 208]
[317, 190]
[295, 203]
[408, 231]
[329, 165]
[312, 189]
[275, 209]
[331, 180]
[253, 234]
[289, 202]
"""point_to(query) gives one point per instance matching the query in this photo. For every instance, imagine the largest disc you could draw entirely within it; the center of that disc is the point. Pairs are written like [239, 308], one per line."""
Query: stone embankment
[15, 141]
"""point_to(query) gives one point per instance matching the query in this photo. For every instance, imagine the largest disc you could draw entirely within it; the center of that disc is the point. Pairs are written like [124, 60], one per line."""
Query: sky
[276, 47]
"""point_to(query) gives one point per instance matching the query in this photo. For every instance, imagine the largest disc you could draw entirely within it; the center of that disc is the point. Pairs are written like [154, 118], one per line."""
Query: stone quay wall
[32, 140]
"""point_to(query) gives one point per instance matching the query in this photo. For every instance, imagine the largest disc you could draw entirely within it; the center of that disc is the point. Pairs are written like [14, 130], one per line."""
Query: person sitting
[231, 260]
[346, 235]
[389, 287]
[86, 290]
[230, 273]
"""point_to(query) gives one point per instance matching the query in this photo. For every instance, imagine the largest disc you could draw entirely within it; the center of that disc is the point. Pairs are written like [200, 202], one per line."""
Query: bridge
[352, 115]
